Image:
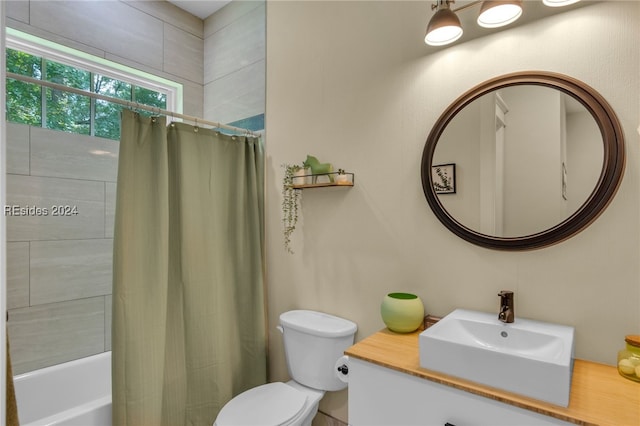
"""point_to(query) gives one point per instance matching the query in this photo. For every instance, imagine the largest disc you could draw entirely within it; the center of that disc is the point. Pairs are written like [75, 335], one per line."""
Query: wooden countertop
[599, 395]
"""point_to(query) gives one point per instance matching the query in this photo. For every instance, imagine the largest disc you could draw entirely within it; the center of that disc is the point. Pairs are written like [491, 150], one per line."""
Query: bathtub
[76, 393]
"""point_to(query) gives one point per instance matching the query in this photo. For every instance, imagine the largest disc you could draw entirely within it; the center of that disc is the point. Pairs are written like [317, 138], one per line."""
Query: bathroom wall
[354, 84]
[583, 164]
[524, 196]
[59, 268]
[234, 62]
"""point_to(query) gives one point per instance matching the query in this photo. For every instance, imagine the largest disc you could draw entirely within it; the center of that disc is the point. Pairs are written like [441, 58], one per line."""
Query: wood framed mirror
[537, 156]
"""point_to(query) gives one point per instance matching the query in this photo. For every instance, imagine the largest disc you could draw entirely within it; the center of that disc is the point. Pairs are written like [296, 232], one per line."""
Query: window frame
[48, 50]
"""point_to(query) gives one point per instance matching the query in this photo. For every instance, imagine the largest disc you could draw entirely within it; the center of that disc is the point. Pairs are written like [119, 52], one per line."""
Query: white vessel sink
[527, 357]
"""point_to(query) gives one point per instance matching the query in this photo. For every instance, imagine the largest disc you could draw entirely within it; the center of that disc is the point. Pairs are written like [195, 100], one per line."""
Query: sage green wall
[354, 84]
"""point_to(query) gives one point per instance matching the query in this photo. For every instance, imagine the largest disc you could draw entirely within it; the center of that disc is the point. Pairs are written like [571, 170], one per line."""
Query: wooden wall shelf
[323, 180]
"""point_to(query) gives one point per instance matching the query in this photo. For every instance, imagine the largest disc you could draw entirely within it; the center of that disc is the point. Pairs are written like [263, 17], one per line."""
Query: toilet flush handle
[280, 329]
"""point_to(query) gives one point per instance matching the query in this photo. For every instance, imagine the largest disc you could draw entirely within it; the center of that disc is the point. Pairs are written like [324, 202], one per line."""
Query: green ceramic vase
[402, 312]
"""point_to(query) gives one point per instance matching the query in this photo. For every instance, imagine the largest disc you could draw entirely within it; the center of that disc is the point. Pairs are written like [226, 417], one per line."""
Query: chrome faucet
[507, 310]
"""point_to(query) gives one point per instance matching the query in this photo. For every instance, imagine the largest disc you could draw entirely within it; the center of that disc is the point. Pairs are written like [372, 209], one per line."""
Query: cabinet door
[381, 396]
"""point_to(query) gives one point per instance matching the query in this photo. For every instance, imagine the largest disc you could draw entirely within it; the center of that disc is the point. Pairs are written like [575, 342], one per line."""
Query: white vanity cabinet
[383, 396]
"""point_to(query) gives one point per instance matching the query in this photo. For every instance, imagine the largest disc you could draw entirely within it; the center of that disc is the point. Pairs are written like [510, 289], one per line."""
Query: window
[56, 109]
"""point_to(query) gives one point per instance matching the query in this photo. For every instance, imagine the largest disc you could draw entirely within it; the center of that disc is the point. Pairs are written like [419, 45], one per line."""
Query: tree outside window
[56, 109]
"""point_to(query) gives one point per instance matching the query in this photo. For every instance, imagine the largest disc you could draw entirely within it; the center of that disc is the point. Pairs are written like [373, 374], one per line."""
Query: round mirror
[523, 161]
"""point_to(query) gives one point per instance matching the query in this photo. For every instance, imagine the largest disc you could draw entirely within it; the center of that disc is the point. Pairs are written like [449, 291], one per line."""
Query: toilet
[313, 343]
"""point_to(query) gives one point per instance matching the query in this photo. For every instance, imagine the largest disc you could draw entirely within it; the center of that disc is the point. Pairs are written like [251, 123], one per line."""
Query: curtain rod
[130, 104]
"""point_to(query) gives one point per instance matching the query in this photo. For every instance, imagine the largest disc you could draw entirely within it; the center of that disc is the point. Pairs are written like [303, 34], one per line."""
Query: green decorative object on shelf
[318, 168]
[402, 312]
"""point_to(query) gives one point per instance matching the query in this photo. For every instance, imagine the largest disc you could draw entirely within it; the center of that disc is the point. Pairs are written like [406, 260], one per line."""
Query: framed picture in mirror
[444, 178]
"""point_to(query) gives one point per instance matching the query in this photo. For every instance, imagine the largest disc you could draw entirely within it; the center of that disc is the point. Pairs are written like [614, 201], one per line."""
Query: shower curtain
[188, 330]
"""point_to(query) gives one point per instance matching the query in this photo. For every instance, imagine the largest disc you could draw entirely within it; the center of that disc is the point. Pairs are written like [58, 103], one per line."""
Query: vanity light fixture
[445, 28]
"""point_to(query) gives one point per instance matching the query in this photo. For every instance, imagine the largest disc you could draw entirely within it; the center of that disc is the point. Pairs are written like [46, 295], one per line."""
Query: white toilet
[313, 343]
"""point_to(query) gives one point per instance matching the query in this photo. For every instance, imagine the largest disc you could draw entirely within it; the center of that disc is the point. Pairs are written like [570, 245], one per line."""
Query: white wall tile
[193, 99]
[111, 26]
[171, 14]
[70, 269]
[45, 335]
[38, 32]
[235, 62]
[17, 148]
[236, 96]
[183, 54]
[236, 46]
[230, 13]
[46, 193]
[18, 10]
[69, 155]
[17, 275]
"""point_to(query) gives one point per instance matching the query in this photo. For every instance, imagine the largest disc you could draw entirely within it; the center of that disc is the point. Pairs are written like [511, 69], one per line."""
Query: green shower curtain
[188, 329]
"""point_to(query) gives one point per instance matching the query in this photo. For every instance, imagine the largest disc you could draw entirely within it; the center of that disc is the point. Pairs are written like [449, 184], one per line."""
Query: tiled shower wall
[58, 262]
[59, 267]
[234, 62]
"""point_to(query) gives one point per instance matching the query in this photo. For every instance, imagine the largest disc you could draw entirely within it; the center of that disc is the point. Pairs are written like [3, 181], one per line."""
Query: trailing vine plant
[290, 204]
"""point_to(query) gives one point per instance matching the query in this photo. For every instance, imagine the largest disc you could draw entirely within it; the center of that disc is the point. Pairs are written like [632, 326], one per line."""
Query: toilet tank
[313, 342]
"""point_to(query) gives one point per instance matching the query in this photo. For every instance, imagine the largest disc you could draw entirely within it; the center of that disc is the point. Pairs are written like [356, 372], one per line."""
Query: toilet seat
[274, 404]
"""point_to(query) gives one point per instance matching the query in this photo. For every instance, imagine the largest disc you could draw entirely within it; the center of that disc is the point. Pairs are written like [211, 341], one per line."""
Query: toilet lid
[271, 404]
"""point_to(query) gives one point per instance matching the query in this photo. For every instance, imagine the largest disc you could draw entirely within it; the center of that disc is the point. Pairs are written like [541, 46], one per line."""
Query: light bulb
[443, 35]
[495, 14]
[559, 3]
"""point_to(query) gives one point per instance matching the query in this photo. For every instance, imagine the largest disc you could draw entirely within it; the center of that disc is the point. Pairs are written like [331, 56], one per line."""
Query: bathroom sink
[527, 357]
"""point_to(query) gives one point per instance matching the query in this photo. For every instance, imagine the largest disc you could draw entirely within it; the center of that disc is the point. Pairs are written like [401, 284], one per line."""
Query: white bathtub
[76, 393]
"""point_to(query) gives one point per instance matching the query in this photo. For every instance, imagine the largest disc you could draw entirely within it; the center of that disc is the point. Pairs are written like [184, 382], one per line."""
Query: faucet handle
[506, 313]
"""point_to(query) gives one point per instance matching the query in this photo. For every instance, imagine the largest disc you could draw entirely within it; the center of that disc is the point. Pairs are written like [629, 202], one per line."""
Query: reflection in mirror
[537, 156]
[527, 157]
